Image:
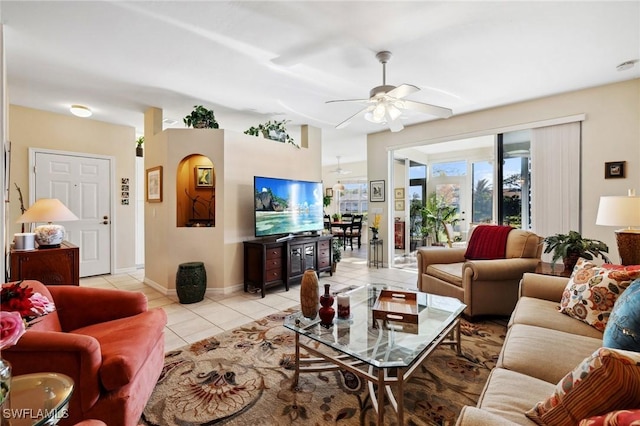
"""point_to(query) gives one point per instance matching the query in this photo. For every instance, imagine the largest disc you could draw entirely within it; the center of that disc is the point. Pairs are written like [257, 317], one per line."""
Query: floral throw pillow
[614, 418]
[592, 291]
[605, 381]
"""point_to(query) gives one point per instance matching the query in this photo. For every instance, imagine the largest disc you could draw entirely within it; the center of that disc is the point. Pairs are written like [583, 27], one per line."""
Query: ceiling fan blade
[394, 125]
[402, 91]
[428, 109]
[346, 122]
[348, 100]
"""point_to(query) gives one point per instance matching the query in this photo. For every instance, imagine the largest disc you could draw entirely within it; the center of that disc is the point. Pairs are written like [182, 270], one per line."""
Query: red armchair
[106, 341]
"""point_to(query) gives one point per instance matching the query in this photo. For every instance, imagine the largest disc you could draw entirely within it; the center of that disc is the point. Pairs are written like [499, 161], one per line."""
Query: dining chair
[355, 231]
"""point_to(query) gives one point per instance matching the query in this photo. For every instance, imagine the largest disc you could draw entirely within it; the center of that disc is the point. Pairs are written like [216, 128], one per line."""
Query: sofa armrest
[79, 307]
[500, 269]
[75, 355]
[472, 416]
[545, 287]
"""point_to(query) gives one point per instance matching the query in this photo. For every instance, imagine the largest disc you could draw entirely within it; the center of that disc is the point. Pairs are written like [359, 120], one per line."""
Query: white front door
[82, 184]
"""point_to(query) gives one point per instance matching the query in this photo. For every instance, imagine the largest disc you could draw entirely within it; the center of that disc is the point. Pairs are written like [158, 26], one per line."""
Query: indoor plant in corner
[336, 248]
[572, 246]
[201, 118]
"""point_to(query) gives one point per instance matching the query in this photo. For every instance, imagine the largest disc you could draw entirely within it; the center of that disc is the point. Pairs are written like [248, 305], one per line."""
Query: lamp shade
[338, 187]
[48, 210]
[619, 211]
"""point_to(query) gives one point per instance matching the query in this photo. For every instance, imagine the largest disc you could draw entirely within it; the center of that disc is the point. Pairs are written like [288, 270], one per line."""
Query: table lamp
[48, 210]
[623, 211]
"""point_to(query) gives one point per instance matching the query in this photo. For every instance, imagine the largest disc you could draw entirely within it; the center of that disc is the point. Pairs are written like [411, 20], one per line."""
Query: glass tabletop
[40, 398]
[381, 343]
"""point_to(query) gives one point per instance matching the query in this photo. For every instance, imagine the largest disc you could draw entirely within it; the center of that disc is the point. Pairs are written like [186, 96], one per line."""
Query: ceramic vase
[309, 294]
[326, 311]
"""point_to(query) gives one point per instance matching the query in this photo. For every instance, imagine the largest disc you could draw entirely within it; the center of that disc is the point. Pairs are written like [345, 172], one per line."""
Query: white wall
[611, 132]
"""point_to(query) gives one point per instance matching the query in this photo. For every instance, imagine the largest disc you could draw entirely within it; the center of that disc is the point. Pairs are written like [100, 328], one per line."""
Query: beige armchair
[487, 287]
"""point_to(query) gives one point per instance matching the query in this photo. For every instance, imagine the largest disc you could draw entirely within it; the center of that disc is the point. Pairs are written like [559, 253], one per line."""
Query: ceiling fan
[386, 102]
[339, 170]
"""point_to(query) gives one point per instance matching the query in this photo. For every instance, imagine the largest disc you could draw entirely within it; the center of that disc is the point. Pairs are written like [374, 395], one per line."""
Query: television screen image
[286, 206]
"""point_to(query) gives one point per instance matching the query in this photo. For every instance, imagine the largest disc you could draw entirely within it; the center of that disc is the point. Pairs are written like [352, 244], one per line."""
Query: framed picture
[204, 176]
[614, 169]
[399, 205]
[376, 190]
[328, 192]
[399, 194]
[154, 184]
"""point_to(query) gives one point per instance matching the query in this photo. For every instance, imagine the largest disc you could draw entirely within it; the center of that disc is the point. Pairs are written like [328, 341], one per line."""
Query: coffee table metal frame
[380, 373]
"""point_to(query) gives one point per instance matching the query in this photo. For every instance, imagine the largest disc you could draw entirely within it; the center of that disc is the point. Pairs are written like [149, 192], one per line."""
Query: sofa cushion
[606, 380]
[544, 313]
[449, 272]
[623, 328]
[503, 394]
[125, 345]
[544, 353]
[592, 291]
[614, 418]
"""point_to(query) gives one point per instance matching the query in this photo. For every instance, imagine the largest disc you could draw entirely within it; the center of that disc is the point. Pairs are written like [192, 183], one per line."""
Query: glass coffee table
[39, 399]
[384, 352]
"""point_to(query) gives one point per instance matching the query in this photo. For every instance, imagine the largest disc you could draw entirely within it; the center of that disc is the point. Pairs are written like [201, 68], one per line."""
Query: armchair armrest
[545, 287]
[473, 416]
[500, 269]
[436, 255]
[75, 355]
[82, 306]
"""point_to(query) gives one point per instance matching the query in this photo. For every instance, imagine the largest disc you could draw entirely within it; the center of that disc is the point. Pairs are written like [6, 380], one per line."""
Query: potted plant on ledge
[276, 131]
[201, 118]
[572, 246]
[139, 149]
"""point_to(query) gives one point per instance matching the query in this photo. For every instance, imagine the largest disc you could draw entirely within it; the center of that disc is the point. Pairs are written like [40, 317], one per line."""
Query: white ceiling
[255, 61]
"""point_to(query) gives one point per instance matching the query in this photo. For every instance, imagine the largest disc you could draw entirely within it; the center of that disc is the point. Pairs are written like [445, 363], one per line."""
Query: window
[482, 194]
[355, 197]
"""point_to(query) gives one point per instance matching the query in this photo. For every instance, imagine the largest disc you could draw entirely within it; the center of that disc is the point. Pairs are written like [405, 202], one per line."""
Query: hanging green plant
[276, 130]
[201, 118]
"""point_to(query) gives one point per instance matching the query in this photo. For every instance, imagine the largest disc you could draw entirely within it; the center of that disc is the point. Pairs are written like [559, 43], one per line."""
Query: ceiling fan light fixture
[377, 115]
[80, 111]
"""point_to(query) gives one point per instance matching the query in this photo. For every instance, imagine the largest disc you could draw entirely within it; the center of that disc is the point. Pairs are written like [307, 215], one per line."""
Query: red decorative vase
[326, 312]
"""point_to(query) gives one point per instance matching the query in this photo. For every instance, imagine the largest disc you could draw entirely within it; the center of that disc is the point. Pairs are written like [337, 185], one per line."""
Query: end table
[376, 253]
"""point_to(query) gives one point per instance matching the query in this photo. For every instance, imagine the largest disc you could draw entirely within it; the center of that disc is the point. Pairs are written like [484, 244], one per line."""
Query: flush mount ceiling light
[626, 65]
[80, 111]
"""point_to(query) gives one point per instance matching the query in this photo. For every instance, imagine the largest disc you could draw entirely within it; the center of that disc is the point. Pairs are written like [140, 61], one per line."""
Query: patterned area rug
[244, 377]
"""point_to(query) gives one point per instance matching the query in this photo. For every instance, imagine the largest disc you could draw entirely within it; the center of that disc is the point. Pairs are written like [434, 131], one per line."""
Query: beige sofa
[541, 346]
[487, 287]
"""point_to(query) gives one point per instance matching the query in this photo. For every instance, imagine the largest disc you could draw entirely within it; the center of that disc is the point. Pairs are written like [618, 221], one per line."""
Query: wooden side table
[50, 266]
[557, 270]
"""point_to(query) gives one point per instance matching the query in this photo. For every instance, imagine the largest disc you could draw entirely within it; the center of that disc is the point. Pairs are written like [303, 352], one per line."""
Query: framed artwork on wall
[154, 184]
[328, 192]
[204, 176]
[399, 193]
[399, 205]
[376, 190]
[614, 169]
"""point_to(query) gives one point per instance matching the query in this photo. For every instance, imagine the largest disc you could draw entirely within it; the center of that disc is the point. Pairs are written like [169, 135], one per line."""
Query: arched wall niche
[195, 192]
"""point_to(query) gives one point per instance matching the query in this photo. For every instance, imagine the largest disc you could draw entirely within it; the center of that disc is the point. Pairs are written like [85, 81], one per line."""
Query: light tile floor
[188, 323]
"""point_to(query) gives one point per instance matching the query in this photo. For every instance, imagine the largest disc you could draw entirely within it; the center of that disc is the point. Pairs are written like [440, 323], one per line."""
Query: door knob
[105, 222]
[105, 217]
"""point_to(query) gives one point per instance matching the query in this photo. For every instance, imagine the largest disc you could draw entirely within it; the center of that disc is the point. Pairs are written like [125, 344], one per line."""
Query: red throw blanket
[488, 242]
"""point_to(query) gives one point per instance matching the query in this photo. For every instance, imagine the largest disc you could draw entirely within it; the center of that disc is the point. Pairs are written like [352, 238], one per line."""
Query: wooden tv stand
[269, 263]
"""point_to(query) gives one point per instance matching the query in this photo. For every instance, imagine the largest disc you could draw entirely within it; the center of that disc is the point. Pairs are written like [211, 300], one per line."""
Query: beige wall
[31, 128]
[236, 159]
[610, 132]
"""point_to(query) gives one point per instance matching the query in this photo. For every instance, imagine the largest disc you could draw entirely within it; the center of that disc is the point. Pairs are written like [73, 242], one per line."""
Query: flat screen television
[287, 206]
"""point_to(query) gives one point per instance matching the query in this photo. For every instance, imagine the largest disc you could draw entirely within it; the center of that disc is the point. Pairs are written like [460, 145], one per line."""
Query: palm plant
[435, 214]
